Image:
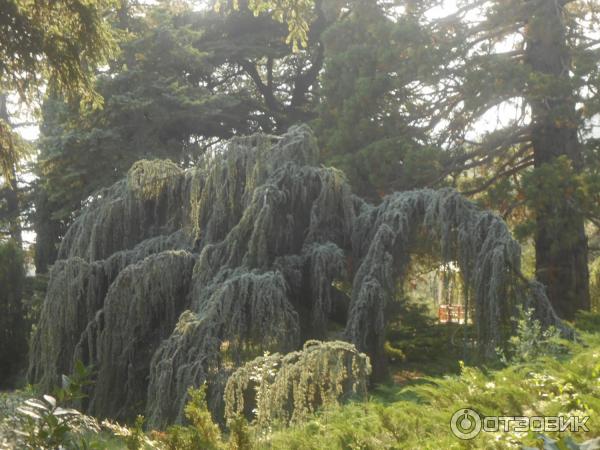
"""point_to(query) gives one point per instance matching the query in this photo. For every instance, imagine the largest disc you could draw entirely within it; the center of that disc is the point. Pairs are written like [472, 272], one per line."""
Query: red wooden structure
[451, 313]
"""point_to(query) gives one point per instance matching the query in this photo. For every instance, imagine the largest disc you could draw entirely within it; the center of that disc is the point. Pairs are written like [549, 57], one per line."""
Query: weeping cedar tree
[538, 58]
[171, 278]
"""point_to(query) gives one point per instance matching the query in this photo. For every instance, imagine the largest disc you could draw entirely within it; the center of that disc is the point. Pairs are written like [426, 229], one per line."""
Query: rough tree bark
[560, 240]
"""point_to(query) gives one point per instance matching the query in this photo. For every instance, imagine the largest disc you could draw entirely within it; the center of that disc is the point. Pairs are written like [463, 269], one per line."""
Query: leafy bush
[48, 422]
[202, 433]
[531, 340]
[47, 425]
[73, 386]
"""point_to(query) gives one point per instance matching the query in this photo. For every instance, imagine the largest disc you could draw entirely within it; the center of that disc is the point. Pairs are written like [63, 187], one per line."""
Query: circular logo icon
[465, 424]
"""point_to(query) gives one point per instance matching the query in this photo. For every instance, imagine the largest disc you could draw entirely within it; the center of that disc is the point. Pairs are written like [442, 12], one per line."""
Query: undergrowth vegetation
[562, 379]
[417, 415]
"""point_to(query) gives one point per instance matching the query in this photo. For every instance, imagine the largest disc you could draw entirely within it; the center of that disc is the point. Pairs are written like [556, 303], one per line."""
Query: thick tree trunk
[48, 233]
[560, 240]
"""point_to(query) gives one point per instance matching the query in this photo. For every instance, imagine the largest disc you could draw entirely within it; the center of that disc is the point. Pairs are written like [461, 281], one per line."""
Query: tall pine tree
[538, 60]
